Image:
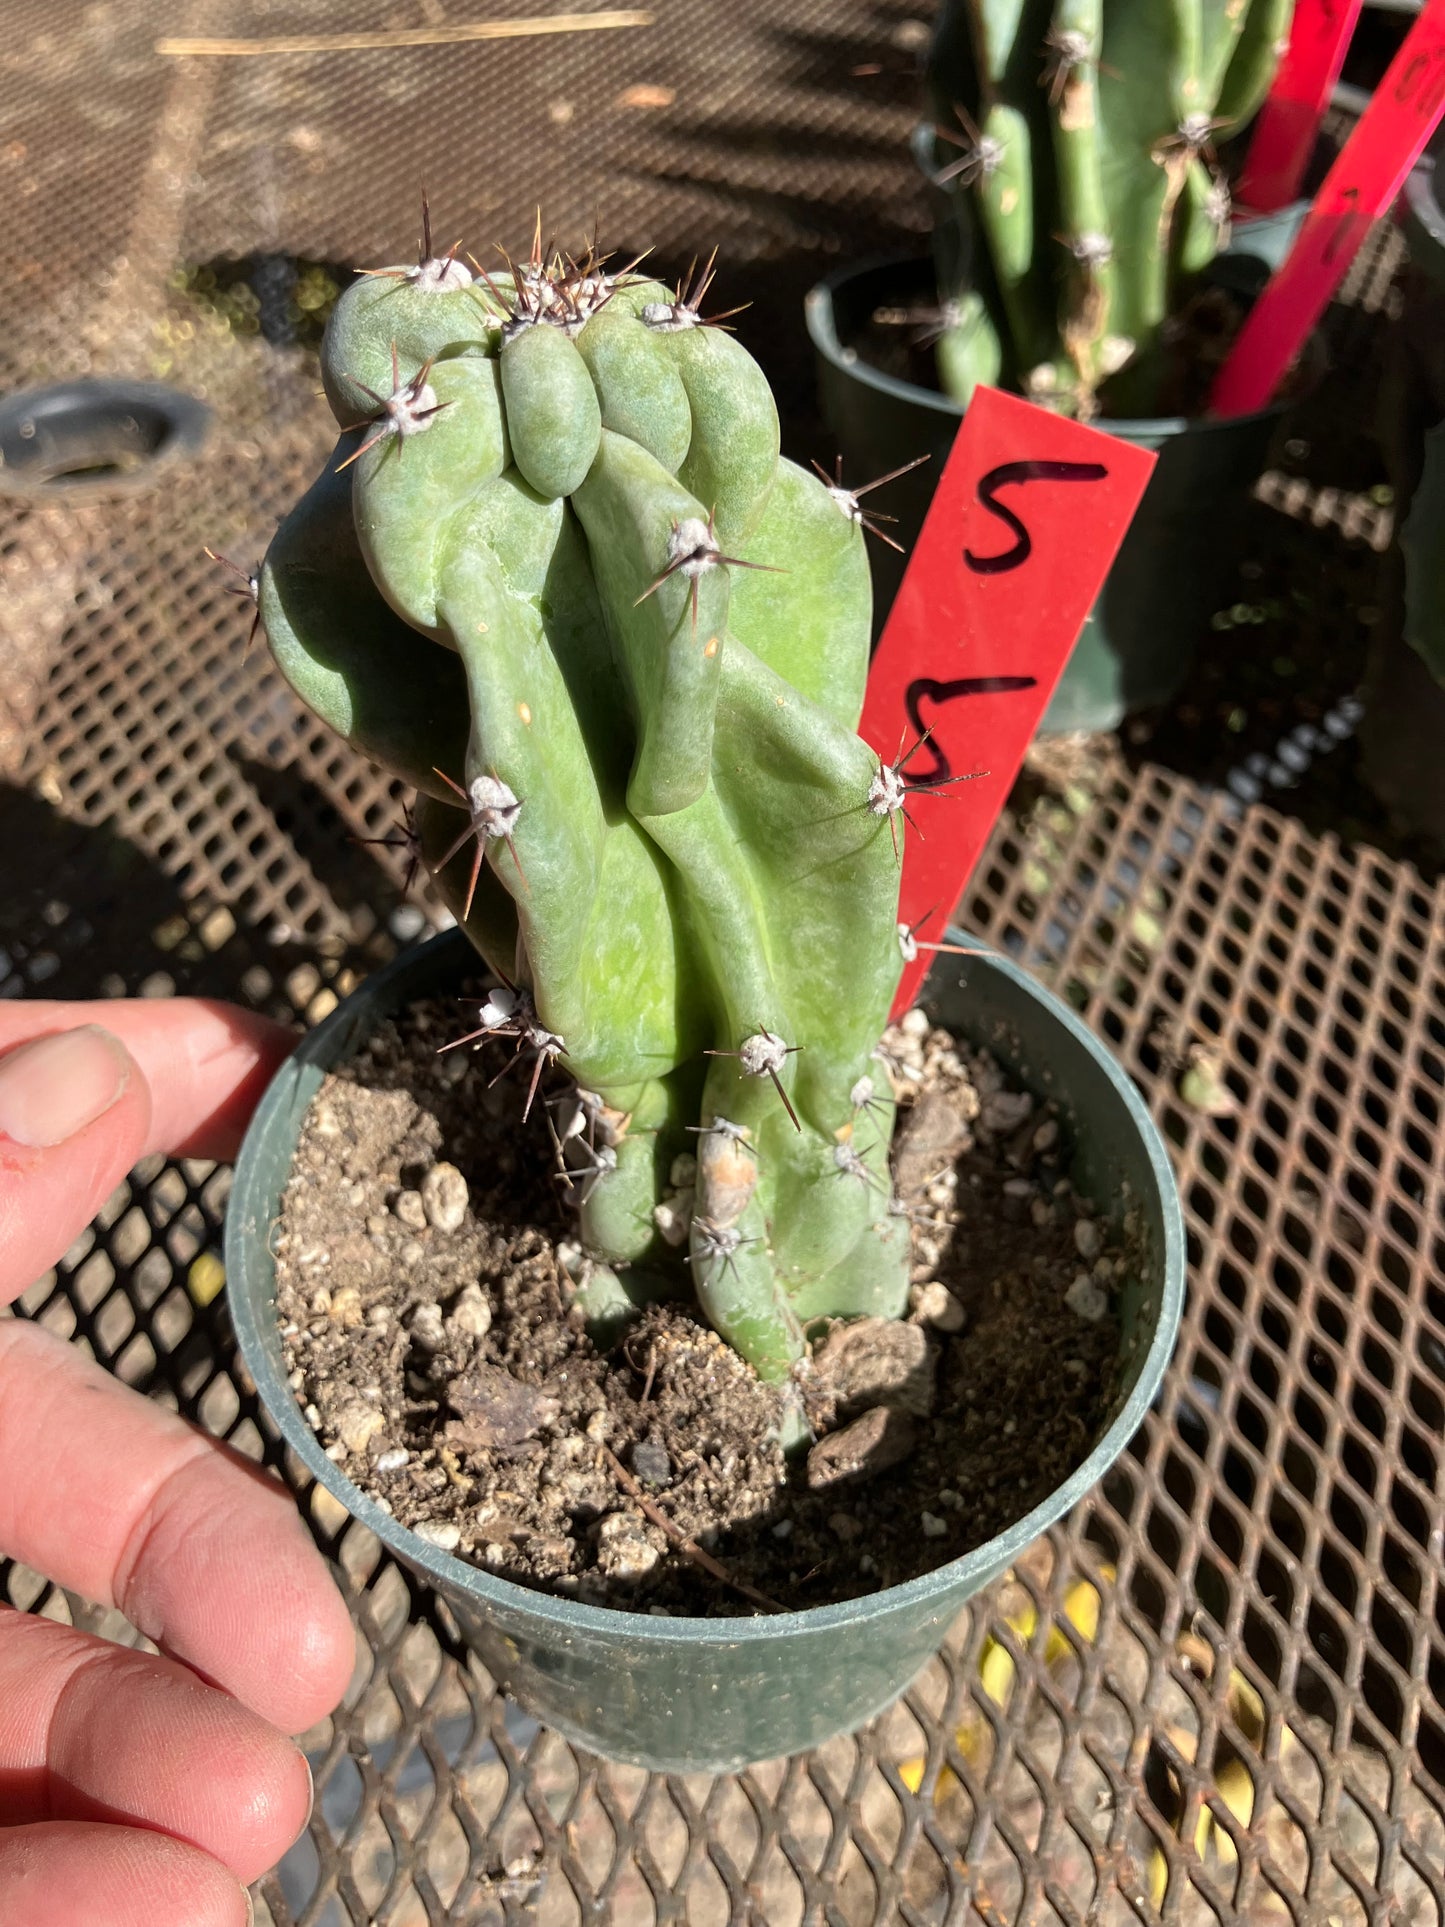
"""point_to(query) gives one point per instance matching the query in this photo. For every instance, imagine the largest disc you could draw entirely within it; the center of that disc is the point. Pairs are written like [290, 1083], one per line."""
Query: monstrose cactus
[557, 578]
[1075, 141]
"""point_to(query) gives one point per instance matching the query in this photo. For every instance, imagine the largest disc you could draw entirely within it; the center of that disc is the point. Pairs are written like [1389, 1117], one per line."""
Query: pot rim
[243, 1218]
[186, 421]
[1425, 218]
[819, 314]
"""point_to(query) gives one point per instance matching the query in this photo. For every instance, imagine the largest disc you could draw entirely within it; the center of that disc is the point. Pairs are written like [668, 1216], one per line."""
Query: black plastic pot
[711, 1695]
[96, 437]
[1403, 725]
[1401, 732]
[1179, 560]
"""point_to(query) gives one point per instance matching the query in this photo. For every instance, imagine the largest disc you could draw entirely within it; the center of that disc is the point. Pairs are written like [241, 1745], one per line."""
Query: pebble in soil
[431, 1345]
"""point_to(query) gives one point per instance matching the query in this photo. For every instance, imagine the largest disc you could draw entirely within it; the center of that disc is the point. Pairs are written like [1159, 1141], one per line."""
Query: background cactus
[556, 573]
[1074, 143]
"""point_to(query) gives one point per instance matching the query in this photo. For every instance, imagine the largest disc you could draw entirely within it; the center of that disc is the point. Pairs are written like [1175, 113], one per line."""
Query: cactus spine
[557, 578]
[1074, 147]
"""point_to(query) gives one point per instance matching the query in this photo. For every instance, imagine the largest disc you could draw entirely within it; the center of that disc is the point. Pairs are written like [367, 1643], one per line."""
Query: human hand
[138, 1791]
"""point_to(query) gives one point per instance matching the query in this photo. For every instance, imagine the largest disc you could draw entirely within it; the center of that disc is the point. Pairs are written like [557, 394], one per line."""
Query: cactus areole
[1076, 144]
[557, 578]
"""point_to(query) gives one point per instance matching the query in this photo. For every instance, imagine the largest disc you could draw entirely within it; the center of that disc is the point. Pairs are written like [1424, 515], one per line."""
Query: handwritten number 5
[1001, 477]
[1413, 88]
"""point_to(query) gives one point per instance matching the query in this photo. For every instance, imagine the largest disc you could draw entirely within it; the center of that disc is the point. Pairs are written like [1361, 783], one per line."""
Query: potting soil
[434, 1348]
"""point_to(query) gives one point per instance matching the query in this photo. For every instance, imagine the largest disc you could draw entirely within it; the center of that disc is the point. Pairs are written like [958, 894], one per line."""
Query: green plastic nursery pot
[1178, 562]
[712, 1695]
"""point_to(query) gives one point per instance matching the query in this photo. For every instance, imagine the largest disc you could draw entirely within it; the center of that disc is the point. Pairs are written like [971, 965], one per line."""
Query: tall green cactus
[1074, 144]
[557, 570]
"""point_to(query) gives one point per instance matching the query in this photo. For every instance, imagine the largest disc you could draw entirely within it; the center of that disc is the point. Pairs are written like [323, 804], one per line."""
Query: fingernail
[310, 1791]
[250, 1907]
[54, 1087]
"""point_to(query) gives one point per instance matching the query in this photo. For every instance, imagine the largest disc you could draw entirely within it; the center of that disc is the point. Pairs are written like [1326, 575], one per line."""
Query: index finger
[124, 1502]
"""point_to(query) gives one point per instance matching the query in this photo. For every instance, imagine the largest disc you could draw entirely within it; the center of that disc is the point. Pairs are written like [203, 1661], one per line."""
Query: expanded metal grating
[1217, 1692]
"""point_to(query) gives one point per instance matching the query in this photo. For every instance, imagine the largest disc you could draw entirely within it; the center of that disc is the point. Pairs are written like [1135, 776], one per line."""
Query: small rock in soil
[880, 1439]
[933, 1526]
[471, 1313]
[651, 1463]
[345, 1308]
[427, 1329]
[1088, 1239]
[1004, 1111]
[626, 1548]
[929, 1137]
[442, 1534]
[495, 1410]
[408, 1207]
[496, 1527]
[357, 1424]
[934, 1304]
[674, 1216]
[1086, 1300]
[444, 1197]
[877, 1361]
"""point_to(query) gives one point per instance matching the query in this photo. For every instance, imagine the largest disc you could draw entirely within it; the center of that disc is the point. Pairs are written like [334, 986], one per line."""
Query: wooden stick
[324, 43]
[689, 1548]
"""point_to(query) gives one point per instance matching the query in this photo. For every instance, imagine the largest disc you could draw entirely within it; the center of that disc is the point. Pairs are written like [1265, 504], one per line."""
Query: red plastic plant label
[1028, 515]
[1361, 186]
[1284, 134]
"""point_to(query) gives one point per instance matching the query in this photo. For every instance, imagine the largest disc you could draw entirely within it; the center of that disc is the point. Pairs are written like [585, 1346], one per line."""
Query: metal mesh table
[1217, 1692]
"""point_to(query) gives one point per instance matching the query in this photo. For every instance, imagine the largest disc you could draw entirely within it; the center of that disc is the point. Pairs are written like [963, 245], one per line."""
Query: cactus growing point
[1075, 145]
[557, 578]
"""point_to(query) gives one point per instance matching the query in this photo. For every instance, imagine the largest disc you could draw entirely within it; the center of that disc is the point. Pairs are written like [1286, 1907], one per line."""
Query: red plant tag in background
[1028, 515]
[1361, 186]
[1284, 134]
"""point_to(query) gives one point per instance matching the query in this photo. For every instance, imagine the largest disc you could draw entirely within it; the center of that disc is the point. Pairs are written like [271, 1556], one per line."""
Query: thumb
[75, 1112]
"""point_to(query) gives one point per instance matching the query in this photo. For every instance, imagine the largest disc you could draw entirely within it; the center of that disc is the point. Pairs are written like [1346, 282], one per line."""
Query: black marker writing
[1412, 86]
[925, 689]
[1001, 477]
[1349, 216]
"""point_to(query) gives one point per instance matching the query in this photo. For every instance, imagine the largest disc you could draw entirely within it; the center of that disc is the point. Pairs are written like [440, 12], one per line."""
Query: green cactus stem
[1079, 188]
[557, 578]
